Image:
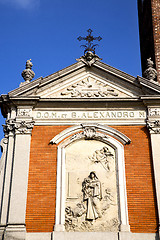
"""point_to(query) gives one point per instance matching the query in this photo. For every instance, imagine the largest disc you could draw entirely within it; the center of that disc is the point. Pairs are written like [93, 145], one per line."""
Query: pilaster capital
[24, 127]
[17, 127]
[153, 126]
[8, 128]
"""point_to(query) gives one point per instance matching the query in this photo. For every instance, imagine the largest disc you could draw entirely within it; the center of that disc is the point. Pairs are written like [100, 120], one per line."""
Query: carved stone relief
[150, 72]
[104, 157]
[154, 112]
[89, 88]
[24, 112]
[22, 127]
[8, 127]
[88, 134]
[154, 126]
[89, 58]
[91, 187]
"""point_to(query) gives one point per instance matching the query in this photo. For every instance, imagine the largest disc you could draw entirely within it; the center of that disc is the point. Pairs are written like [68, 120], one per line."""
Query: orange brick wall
[139, 180]
[40, 214]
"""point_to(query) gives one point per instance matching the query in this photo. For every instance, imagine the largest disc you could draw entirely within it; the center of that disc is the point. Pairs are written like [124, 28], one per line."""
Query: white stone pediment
[87, 86]
[79, 81]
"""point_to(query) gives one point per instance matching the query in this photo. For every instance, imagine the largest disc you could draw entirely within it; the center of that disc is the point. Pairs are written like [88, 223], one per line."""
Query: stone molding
[93, 127]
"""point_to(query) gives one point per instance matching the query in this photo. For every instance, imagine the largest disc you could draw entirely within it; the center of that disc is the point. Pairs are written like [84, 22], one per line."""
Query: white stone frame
[116, 143]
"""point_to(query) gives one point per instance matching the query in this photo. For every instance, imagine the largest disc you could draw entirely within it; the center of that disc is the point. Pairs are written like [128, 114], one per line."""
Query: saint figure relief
[92, 194]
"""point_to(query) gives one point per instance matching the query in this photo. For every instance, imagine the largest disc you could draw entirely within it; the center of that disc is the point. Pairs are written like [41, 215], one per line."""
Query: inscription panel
[90, 115]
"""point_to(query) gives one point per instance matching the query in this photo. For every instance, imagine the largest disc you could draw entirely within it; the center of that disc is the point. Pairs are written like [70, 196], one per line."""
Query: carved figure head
[89, 55]
[92, 175]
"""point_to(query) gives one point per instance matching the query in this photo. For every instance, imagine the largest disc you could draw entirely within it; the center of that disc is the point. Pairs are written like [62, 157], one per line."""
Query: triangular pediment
[88, 86]
[80, 81]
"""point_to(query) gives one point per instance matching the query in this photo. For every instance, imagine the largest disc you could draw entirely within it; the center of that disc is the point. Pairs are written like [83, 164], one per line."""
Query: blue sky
[46, 31]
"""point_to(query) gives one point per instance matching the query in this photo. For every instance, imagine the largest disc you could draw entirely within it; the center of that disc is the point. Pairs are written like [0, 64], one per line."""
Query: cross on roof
[89, 46]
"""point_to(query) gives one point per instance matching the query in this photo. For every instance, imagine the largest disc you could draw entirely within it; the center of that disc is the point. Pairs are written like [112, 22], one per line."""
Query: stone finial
[28, 73]
[150, 72]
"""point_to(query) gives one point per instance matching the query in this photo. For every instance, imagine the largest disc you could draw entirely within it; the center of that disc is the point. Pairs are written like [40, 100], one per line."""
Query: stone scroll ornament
[89, 133]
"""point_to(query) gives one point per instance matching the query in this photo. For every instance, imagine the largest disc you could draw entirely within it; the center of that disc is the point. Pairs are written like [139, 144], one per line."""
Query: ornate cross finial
[89, 47]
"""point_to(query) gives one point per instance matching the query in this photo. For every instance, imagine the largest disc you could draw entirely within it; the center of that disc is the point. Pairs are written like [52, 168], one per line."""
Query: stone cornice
[151, 100]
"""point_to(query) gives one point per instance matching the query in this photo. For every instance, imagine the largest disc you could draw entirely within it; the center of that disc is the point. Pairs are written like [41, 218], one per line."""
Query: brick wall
[156, 33]
[139, 180]
[40, 214]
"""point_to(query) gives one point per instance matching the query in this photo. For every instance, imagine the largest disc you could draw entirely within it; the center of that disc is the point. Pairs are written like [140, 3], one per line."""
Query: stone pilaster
[6, 166]
[153, 124]
[16, 209]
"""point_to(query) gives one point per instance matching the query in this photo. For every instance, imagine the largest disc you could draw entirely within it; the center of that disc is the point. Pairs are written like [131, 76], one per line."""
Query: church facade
[80, 155]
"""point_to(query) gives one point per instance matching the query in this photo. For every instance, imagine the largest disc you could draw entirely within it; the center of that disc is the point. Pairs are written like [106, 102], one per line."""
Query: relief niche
[91, 199]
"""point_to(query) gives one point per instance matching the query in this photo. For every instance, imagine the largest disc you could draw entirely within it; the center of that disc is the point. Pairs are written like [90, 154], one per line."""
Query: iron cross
[89, 46]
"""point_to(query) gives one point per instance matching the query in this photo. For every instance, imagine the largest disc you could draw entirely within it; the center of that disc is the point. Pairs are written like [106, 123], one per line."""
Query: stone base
[85, 236]
[22, 235]
[15, 232]
[103, 236]
[59, 228]
[2, 229]
[39, 236]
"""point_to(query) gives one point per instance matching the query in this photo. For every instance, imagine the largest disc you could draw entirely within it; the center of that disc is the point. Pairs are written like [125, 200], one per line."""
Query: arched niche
[81, 150]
